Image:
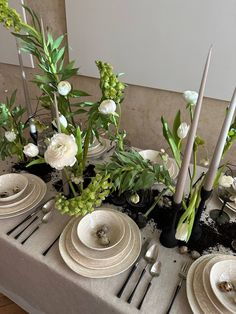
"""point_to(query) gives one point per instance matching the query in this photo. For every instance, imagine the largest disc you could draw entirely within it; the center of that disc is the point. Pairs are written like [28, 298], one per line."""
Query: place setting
[19, 193]
[211, 284]
[110, 245]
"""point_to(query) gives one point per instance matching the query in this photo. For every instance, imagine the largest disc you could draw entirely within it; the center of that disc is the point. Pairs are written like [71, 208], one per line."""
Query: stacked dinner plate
[154, 157]
[84, 252]
[203, 280]
[34, 191]
[98, 148]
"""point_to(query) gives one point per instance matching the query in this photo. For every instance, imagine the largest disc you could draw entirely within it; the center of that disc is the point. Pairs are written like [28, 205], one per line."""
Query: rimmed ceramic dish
[12, 185]
[33, 200]
[100, 263]
[100, 273]
[204, 302]
[206, 281]
[224, 271]
[101, 229]
[109, 254]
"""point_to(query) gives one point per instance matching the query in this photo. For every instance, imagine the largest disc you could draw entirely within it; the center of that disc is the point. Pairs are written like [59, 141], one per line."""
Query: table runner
[46, 285]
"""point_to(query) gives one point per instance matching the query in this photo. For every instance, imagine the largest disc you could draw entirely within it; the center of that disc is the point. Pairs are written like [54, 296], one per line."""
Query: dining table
[46, 285]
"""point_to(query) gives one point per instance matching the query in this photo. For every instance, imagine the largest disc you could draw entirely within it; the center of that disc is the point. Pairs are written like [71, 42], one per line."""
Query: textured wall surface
[142, 108]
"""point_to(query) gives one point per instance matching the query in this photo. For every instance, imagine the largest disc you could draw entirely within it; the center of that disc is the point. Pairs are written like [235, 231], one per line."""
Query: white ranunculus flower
[183, 130]
[10, 136]
[234, 184]
[204, 162]
[226, 181]
[233, 198]
[62, 120]
[64, 88]
[61, 151]
[182, 232]
[31, 150]
[190, 97]
[107, 107]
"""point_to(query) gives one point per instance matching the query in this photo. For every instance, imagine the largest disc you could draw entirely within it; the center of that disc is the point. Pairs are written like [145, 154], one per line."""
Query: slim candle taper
[215, 162]
[180, 186]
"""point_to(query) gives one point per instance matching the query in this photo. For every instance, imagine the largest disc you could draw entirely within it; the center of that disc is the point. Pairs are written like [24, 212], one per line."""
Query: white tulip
[10, 136]
[61, 151]
[182, 232]
[62, 120]
[183, 130]
[64, 88]
[31, 150]
[107, 107]
[190, 97]
[226, 181]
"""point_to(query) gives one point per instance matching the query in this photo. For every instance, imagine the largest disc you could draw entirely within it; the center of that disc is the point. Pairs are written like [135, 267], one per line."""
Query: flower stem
[157, 199]
[69, 181]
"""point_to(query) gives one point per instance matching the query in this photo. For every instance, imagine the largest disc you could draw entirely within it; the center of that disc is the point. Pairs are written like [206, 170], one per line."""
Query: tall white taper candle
[215, 162]
[180, 186]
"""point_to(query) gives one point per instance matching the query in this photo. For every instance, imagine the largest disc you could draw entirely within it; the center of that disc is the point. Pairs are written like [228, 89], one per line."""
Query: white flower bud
[107, 107]
[190, 97]
[183, 130]
[226, 181]
[62, 120]
[182, 232]
[31, 150]
[10, 136]
[64, 88]
[135, 198]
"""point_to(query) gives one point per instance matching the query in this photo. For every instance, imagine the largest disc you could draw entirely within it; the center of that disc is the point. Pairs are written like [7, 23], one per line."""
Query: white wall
[157, 43]
[8, 51]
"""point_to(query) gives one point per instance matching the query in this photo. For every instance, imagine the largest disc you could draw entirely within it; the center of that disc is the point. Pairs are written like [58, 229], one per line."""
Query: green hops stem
[110, 85]
[9, 17]
[91, 197]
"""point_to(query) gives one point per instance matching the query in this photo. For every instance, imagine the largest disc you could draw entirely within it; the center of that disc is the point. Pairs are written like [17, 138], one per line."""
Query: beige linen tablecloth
[46, 284]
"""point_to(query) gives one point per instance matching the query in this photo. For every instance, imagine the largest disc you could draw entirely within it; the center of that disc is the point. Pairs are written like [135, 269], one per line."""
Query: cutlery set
[42, 213]
[151, 258]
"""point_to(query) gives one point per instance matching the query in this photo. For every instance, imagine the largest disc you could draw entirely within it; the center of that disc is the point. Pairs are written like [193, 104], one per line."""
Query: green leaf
[57, 42]
[38, 161]
[176, 124]
[60, 55]
[78, 93]
[170, 139]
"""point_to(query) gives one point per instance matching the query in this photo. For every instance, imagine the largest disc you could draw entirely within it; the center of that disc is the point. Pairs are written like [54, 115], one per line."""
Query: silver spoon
[150, 257]
[154, 272]
[47, 207]
[43, 220]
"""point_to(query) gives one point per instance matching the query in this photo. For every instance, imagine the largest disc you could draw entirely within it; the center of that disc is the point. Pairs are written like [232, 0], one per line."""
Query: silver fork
[182, 275]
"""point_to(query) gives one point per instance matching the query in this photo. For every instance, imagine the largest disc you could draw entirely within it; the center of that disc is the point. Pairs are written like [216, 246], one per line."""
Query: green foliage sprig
[11, 121]
[129, 171]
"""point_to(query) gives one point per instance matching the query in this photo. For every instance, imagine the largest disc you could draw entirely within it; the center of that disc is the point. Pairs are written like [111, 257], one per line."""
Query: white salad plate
[121, 264]
[39, 187]
[224, 271]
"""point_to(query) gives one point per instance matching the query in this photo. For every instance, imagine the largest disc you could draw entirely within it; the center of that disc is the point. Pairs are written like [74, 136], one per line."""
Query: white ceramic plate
[224, 271]
[102, 149]
[33, 201]
[206, 281]
[26, 194]
[12, 185]
[201, 296]
[99, 273]
[90, 224]
[98, 263]
[109, 254]
[189, 286]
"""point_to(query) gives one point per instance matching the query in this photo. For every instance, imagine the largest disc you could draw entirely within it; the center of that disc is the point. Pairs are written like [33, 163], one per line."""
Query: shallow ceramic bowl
[88, 227]
[12, 185]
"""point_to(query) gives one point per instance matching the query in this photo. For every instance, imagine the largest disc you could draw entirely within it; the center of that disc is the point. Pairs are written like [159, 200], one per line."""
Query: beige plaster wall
[142, 108]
